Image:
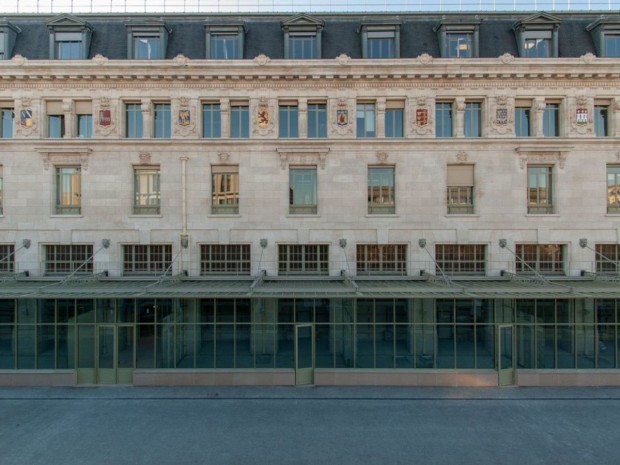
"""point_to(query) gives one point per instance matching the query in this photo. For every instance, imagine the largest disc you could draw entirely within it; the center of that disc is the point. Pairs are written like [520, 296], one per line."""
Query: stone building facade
[310, 199]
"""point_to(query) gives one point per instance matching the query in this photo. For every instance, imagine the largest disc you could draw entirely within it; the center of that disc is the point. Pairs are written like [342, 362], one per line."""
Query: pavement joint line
[384, 399]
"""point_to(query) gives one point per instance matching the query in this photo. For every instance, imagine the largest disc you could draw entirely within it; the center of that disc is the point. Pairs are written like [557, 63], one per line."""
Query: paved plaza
[324, 425]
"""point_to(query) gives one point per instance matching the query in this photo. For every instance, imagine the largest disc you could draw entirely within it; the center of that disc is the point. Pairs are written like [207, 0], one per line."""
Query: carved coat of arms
[262, 117]
[185, 118]
[421, 116]
[342, 117]
[581, 116]
[105, 117]
[25, 118]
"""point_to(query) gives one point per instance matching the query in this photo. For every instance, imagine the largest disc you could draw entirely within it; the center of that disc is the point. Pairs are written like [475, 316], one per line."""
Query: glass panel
[86, 346]
[106, 347]
[522, 122]
[537, 48]
[147, 48]
[445, 346]
[285, 346]
[324, 345]
[164, 311]
[485, 346]
[185, 339]
[25, 347]
[225, 310]
[205, 348]
[126, 312]
[239, 122]
[211, 120]
[66, 310]
[424, 345]
[443, 119]
[45, 347]
[225, 46]
[244, 352]
[162, 120]
[47, 310]
[264, 344]
[165, 346]
[65, 351]
[7, 346]
[365, 346]
[394, 122]
[526, 349]
[404, 346]
[545, 341]
[459, 45]
[224, 345]
[125, 346]
[317, 120]
[565, 349]
[384, 345]
[85, 311]
[304, 310]
[85, 126]
[26, 310]
[206, 311]
[505, 337]
[465, 346]
[585, 337]
[612, 45]
[145, 346]
[304, 347]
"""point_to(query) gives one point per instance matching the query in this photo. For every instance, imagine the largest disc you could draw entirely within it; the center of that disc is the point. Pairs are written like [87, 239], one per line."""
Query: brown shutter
[84, 108]
[461, 175]
[219, 169]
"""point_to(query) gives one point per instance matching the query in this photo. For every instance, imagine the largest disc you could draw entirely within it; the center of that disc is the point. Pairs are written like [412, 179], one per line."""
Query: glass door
[304, 354]
[115, 354]
[505, 354]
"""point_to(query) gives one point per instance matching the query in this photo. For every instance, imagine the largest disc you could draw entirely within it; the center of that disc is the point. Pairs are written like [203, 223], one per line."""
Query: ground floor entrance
[106, 341]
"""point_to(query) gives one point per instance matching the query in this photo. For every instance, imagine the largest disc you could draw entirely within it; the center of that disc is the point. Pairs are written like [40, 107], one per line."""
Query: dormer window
[606, 36]
[458, 39]
[302, 37]
[537, 36]
[8, 33]
[69, 38]
[224, 41]
[380, 40]
[147, 40]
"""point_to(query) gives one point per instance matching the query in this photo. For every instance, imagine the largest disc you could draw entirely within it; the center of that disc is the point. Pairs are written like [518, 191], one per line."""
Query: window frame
[456, 191]
[83, 119]
[381, 31]
[441, 109]
[1, 191]
[147, 29]
[299, 187]
[537, 252]
[539, 206]
[288, 120]
[381, 259]
[603, 29]
[613, 190]
[537, 26]
[472, 119]
[62, 259]
[375, 174]
[551, 119]
[162, 120]
[214, 110]
[602, 121]
[7, 128]
[241, 113]
[610, 252]
[366, 109]
[133, 112]
[150, 265]
[225, 259]
[68, 184]
[7, 258]
[229, 197]
[395, 115]
[68, 29]
[306, 264]
[303, 26]
[528, 111]
[150, 192]
[214, 31]
[465, 27]
[461, 259]
[8, 35]
[319, 115]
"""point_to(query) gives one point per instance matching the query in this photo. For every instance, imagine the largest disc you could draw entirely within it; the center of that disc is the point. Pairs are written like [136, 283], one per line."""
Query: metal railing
[308, 6]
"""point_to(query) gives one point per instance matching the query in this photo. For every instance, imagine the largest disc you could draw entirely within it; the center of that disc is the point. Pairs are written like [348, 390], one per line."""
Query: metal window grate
[382, 259]
[146, 259]
[461, 259]
[303, 259]
[62, 259]
[610, 252]
[225, 259]
[7, 258]
[544, 258]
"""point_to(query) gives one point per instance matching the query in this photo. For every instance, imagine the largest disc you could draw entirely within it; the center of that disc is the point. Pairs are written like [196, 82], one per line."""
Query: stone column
[303, 118]
[614, 110]
[459, 117]
[147, 120]
[225, 117]
[380, 118]
[538, 110]
[67, 110]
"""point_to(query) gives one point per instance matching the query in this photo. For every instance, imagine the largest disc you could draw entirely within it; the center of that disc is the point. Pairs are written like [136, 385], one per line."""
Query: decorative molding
[100, 60]
[302, 156]
[262, 59]
[421, 115]
[19, 60]
[26, 118]
[343, 59]
[581, 115]
[382, 157]
[462, 156]
[506, 58]
[223, 156]
[425, 59]
[543, 154]
[501, 116]
[52, 156]
[180, 60]
[340, 114]
[105, 116]
[262, 116]
[145, 158]
[588, 58]
[184, 114]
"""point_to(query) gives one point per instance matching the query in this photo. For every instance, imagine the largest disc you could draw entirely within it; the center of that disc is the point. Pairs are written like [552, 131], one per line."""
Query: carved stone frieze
[100, 60]
[262, 60]
[303, 156]
[506, 58]
[55, 156]
[542, 155]
[145, 158]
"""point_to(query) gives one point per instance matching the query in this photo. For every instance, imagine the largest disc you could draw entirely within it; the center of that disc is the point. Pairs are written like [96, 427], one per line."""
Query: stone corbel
[302, 156]
[52, 156]
[551, 155]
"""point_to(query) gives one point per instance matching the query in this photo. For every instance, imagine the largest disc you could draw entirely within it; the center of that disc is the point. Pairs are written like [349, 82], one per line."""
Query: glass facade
[349, 333]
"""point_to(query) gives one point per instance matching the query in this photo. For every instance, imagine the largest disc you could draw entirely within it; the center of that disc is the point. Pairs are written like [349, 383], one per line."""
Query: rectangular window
[56, 128]
[366, 126]
[225, 190]
[302, 45]
[7, 258]
[539, 190]
[613, 189]
[161, 127]
[380, 44]
[473, 117]
[381, 259]
[460, 187]
[317, 120]
[601, 120]
[1, 190]
[288, 121]
[537, 45]
[225, 46]
[459, 45]
[461, 259]
[443, 119]
[303, 191]
[146, 191]
[394, 121]
[146, 259]
[303, 259]
[85, 126]
[381, 198]
[239, 122]
[522, 121]
[551, 120]
[6, 123]
[211, 121]
[68, 190]
[62, 259]
[543, 258]
[147, 47]
[607, 258]
[2, 46]
[225, 259]
[133, 123]
[612, 45]
[68, 46]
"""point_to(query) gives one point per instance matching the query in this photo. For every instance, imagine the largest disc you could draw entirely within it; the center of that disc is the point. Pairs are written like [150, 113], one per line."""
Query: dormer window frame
[380, 30]
[538, 26]
[601, 29]
[69, 29]
[469, 27]
[8, 35]
[213, 30]
[302, 26]
[147, 29]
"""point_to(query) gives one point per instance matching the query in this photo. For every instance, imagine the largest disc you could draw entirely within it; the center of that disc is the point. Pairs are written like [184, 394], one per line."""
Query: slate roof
[340, 35]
